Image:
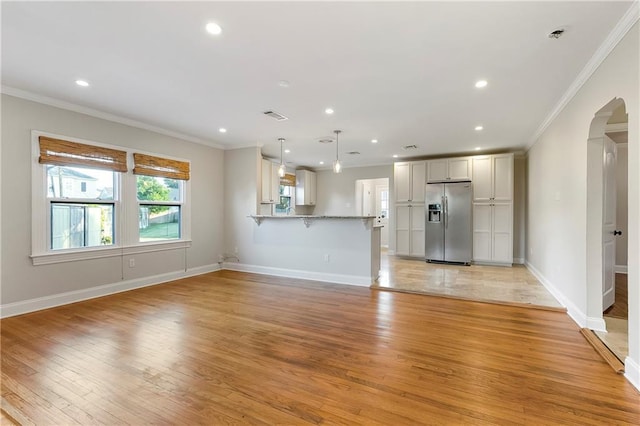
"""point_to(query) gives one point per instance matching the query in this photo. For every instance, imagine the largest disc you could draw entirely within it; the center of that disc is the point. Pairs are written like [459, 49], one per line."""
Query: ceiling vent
[275, 115]
[409, 147]
[353, 153]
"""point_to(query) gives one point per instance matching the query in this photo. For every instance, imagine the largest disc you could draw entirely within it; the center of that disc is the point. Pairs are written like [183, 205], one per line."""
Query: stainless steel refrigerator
[448, 234]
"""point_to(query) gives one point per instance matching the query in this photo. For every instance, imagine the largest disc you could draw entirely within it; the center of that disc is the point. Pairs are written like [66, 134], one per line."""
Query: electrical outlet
[326, 257]
[132, 263]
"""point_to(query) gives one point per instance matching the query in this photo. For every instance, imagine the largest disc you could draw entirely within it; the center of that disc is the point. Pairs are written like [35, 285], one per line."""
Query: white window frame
[125, 230]
[162, 203]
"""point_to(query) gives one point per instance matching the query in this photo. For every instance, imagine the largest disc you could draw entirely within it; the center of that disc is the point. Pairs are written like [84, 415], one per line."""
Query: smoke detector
[556, 34]
[276, 116]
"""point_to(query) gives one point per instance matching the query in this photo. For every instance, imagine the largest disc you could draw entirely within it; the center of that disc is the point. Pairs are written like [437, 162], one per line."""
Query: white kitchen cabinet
[305, 188]
[493, 233]
[493, 178]
[410, 222]
[270, 183]
[409, 179]
[449, 169]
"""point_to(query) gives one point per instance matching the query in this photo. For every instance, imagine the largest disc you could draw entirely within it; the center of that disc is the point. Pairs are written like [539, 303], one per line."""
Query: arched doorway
[601, 212]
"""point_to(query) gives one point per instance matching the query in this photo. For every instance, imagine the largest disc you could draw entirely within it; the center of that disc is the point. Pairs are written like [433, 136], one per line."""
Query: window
[286, 191]
[81, 206]
[86, 204]
[159, 184]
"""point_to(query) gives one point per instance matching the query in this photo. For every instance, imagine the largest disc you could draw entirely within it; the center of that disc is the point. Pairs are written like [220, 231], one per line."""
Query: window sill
[105, 252]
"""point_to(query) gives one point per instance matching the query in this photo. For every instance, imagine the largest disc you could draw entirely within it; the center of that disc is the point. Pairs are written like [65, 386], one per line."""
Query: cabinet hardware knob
[616, 232]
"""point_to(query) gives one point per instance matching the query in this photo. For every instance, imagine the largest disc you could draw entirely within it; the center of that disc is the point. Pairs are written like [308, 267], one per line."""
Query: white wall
[622, 204]
[21, 281]
[336, 192]
[557, 192]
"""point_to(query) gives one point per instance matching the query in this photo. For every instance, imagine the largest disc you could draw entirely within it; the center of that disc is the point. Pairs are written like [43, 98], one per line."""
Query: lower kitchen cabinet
[410, 236]
[493, 233]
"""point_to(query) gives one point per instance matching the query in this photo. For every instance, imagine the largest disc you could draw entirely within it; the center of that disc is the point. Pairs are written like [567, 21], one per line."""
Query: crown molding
[69, 106]
[619, 31]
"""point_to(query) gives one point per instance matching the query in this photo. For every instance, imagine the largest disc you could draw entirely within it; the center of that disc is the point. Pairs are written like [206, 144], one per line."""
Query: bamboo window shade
[67, 153]
[162, 167]
[288, 180]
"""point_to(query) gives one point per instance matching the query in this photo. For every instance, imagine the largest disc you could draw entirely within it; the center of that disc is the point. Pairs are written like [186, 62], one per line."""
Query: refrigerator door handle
[446, 212]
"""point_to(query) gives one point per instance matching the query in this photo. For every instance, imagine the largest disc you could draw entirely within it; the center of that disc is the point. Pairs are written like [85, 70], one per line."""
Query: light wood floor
[237, 348]
[498, 284]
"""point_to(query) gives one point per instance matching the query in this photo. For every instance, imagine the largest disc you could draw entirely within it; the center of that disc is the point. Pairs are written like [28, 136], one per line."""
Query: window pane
[79, 182]
[158, 189]
[159, 223]
[81, 225]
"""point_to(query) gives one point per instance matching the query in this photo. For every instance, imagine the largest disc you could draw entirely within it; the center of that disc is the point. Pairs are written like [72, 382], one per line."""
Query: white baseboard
[39, 303]
[596, 324]
[576, 314]
[632, 372]
[362, 281]
[620, 269]
[518, 260]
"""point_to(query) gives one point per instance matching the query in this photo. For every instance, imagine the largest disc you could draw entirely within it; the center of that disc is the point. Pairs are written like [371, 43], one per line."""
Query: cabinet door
[502, 233]
[402, 182]
[275, 183]
[418, 181]
[437, 170]
[482, 240]
[503, 177]
[403, 222]
[311, 177]
[266, 196]
[482, 187]
[459, 169]
[417, 230]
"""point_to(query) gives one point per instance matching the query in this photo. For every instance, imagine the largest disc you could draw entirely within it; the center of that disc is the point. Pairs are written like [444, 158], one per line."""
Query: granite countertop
[308, 216]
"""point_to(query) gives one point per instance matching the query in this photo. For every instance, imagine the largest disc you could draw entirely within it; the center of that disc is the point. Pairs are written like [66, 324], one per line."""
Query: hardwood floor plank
[237, 348]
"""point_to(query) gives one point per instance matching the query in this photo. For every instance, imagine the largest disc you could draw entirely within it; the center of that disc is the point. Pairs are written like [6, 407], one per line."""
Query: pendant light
[281, 169]
[337, 167]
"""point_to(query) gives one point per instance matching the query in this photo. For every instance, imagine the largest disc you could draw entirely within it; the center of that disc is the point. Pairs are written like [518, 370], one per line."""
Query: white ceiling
[402, 73]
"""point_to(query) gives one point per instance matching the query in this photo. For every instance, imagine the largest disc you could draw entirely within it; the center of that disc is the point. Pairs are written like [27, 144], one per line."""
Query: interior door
[382, 213]
[609, 224]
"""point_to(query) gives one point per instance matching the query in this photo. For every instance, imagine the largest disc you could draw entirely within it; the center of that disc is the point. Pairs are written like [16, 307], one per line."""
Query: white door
[382, 213]
[609, 224]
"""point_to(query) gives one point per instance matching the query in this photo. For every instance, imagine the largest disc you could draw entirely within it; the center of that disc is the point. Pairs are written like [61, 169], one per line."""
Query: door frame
[595, 203]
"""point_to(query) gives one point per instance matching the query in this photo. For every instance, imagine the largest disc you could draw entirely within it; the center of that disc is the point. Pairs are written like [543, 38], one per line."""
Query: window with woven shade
[160, 183]
[80, 183]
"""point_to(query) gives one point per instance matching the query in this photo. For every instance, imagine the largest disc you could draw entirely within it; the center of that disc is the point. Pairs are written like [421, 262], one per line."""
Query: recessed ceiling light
[222, 130]
[478, 128]
[328, 111]
[395, 155]
[481, 83]
[286, 151]
[322, 162]
[82, 83]
[283, 83]
[374, 140]
[213, 28]
[478, 148]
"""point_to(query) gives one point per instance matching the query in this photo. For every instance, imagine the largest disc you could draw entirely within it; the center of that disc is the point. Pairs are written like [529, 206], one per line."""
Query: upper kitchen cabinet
[270, 183]
[409, 179]
[493, 178]
[305, 188]
[449, 169]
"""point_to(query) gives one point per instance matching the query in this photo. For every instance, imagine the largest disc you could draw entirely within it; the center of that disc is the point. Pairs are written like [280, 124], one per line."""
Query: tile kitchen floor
[515, 285]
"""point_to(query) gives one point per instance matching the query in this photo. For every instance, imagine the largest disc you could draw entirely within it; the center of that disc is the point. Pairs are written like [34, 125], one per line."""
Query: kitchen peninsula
[339, 249]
